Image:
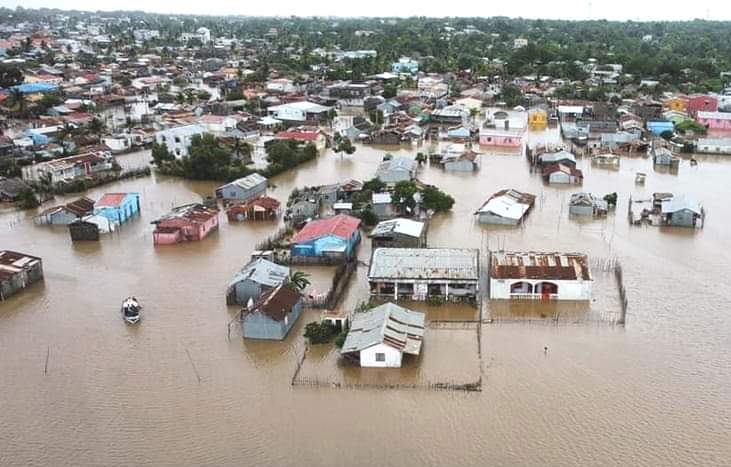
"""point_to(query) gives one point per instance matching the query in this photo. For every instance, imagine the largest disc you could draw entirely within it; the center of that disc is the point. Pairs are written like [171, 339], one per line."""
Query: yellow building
[537, 119]
[678, 104]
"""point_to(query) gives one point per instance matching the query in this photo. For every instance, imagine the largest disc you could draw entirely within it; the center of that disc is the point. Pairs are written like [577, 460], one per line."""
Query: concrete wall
[392, 357]
[460, 166]
[684, 218]
[235, 192]
[581, 210]
[567, 290]
[490, 218]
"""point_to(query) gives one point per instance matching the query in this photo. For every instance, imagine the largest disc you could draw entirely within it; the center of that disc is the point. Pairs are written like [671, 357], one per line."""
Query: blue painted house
[118, 207]
[273, 315]
[405, 65]
[335, 237]
[658, 127]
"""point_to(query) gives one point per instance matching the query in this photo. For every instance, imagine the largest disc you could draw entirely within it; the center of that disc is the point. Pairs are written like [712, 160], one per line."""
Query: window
[380, 357]
[177, 139]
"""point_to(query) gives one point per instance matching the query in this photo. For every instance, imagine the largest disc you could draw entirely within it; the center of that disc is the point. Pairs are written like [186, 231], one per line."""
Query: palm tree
[298, 280]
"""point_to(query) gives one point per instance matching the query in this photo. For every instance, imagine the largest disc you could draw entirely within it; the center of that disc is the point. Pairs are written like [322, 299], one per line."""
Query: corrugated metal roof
[388, 324]
[424, 263]
[539, 265]
[112, 200]
[400, 226]
[262, 272]
[250, 181]
[511, 204]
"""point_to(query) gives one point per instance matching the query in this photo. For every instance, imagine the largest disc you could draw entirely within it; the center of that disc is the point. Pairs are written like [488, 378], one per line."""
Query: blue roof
[30, 88]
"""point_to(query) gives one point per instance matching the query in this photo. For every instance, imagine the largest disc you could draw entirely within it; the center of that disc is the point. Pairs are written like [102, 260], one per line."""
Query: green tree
[342, 145]
[10, 75]
[160, 154]
[374, 185]
[298, 280]
[403, 197]
[320, 332]
[434, 199]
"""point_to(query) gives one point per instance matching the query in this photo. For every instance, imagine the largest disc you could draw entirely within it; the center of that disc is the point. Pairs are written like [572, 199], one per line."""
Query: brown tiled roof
[277, 302]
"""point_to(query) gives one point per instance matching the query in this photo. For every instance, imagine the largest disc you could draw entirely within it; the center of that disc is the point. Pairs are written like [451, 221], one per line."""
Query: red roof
[111, 200]
[342, 226]
[299, 135]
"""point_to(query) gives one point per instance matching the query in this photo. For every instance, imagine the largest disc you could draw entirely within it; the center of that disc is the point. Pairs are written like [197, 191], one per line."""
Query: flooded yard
[82, 388]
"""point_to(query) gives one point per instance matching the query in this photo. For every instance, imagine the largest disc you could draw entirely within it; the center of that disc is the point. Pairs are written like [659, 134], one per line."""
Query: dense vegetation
[674, 52]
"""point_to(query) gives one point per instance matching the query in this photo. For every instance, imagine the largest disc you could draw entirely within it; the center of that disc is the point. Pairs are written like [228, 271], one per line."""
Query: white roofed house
[539, 276]
[380, 337]
[243, 189]
[506, 207]
[299, 112]
[399, 233]
[421, 274]
[178, 139]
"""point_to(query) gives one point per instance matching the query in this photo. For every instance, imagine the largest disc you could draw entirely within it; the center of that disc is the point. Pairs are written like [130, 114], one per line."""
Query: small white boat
[131, 310]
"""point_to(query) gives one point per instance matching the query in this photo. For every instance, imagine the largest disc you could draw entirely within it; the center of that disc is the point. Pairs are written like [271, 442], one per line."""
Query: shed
[273, 315]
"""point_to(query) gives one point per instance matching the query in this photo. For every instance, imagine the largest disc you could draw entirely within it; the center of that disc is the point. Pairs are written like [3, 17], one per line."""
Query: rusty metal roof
[276, 303]
[537, 265]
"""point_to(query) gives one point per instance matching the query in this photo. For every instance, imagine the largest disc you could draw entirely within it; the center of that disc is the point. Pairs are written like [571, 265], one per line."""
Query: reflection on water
[653, 393]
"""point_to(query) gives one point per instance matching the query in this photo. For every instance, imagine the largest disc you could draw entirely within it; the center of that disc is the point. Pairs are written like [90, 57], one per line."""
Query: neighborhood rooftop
[424, 263]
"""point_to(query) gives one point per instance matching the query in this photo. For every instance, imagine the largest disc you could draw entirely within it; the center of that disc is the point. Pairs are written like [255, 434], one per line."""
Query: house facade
[701, 103]
[333, 238]
[70, 168]
[539, 276]
[715, 120]
[399, 233]
[422, 274]
[118, 207]
[380, 337]
[244, 189]
[178, 139]
[562, 174]
[273, 315]
[17, 272]
[192, 222]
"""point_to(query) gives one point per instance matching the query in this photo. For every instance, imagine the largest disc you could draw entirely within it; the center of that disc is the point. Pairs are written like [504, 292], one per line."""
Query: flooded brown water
[174, 391]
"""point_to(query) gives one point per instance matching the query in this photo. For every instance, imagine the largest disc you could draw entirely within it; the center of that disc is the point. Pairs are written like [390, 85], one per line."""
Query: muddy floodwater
[80, 388]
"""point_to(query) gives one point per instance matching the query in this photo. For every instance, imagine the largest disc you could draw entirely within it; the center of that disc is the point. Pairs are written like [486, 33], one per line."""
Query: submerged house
[663, 156]
[504, 129]
[81, 230]
[397, 169]
[244, 189]
[399, 233]
[681, 211]
[333, 238]
[66, 214]
[254, 279]
[192, 222]
[586, 204]
[424, 274]
[259, 209]
[459, 158]
[539, 276]
[506, 207]
[560, 173]
[273, 315]
[118, 207]
[18, 271]
[379, 338]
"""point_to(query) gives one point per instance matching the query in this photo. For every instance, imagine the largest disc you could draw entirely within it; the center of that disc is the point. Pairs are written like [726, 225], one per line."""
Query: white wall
[368, 357]
[567, 290]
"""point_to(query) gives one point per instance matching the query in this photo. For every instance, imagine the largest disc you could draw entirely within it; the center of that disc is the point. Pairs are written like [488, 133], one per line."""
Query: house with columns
[539, 276]
[421, 274]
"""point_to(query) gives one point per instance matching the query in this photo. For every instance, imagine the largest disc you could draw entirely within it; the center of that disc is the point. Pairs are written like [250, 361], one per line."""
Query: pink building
[500, 138]
[701, 103]
[714, 120]
[192, 222]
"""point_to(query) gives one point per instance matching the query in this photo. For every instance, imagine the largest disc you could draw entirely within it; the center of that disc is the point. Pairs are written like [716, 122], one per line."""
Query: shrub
[320, 332]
